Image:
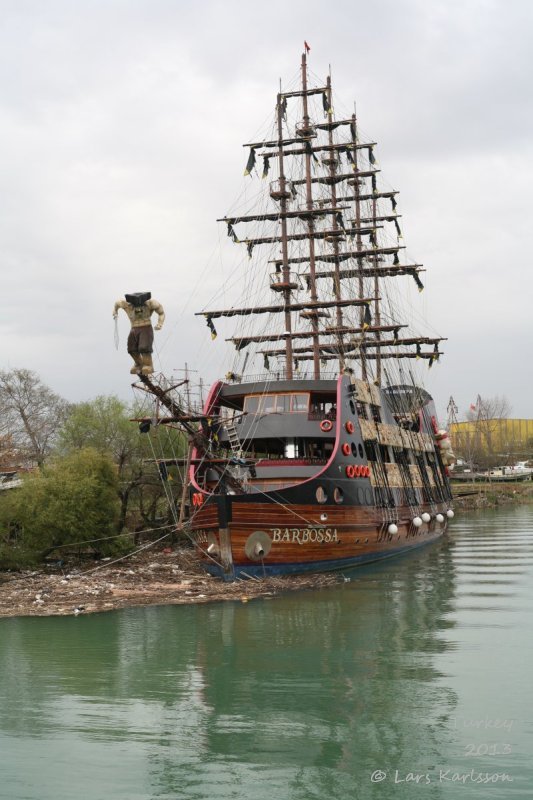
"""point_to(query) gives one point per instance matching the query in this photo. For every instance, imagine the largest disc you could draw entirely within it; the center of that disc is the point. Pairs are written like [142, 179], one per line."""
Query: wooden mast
[336, 280]
[377, 311]
[313, 315]
[284, 245]
[357, 202]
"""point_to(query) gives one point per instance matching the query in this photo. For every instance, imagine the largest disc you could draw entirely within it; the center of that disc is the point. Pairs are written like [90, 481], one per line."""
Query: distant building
[499, 437]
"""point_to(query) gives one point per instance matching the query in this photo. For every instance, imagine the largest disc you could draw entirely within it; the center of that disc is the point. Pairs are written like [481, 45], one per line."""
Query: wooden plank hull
[300, 541]
[352, 510]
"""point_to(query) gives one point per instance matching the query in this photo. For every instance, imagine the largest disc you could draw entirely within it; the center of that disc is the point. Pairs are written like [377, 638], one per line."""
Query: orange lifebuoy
[346, 449]
[350, 471]
[350, 427]
[326, 425]
[357, 471]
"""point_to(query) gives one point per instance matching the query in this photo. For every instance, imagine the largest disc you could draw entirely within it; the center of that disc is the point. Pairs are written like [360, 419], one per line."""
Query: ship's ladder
[233, 438]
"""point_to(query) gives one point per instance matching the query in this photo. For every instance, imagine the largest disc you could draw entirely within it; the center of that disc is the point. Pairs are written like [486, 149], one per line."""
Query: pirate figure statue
[139, 307]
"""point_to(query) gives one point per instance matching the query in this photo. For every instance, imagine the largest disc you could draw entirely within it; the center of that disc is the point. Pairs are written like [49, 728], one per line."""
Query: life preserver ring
[366, 473]
[350, 427]
[346, 449]
[357, 471]
[326, 425]
[350, 471]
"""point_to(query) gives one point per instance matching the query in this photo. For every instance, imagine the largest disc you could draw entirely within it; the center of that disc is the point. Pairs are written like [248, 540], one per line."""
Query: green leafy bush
[71, 501]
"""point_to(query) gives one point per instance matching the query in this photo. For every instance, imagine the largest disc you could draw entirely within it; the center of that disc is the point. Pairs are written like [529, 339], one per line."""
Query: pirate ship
[332, 456]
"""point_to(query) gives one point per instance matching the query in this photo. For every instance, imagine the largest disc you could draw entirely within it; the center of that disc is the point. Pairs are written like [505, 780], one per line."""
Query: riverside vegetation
[90, 484]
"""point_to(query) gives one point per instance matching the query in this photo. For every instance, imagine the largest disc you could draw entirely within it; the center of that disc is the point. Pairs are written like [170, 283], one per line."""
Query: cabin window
[292, 449]
[283, 403]
[277, 404]
[338, 495]
[268, 404]
[251, 404]
[300, 403]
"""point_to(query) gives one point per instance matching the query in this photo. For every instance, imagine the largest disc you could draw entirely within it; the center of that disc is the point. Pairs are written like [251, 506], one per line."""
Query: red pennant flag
[307, 48]
[472, 407]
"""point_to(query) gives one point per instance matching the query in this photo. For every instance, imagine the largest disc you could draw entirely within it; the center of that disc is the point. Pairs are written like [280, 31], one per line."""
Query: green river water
[411, 679]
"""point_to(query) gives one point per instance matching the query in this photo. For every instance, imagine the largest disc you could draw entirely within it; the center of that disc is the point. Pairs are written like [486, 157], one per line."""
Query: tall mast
[342, 255]
[357, 202]
[377, 311]
[284, 244]
[332, 163]
[313, 315]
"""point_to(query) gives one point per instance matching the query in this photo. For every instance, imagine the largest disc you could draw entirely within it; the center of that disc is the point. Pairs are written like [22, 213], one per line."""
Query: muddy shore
[478, 496]
[174, 576]
[163, 576]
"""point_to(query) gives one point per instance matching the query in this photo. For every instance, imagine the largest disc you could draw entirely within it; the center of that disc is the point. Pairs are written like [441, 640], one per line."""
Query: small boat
[331, 456]
[510, 474]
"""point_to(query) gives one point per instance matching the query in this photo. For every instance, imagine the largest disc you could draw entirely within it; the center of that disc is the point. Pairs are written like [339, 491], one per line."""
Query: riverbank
[477, 496]
[174, 576]
[162, 576]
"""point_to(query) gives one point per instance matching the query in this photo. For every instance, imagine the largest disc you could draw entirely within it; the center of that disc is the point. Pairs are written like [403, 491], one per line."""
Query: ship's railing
[291, 462]
[280, 375]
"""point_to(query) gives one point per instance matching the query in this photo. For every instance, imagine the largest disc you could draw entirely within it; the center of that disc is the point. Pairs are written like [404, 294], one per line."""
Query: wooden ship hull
[362, 504]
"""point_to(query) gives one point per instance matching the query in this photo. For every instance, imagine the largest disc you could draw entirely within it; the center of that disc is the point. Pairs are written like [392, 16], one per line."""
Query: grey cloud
[121, 126]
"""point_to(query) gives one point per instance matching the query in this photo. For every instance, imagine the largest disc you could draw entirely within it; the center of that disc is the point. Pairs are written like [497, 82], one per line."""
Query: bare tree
[31, 413]
[486, 417]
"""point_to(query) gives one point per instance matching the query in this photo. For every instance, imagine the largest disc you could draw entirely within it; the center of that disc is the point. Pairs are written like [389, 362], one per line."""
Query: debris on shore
[167, 576]
[478, 496]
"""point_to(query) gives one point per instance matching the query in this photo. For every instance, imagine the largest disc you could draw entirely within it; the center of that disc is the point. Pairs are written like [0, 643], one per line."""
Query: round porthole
[361, 451]
[352, 406]
[338, 495]
[321, 495]
[354, 450]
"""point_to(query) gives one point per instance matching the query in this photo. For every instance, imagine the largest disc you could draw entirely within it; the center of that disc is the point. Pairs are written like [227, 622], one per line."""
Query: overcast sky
[121, 125]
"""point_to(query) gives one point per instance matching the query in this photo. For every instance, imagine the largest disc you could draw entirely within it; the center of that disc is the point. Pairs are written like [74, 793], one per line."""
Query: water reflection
[301, 696]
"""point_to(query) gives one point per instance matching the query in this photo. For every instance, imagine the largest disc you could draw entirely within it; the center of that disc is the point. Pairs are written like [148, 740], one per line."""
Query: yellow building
[493, 436]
